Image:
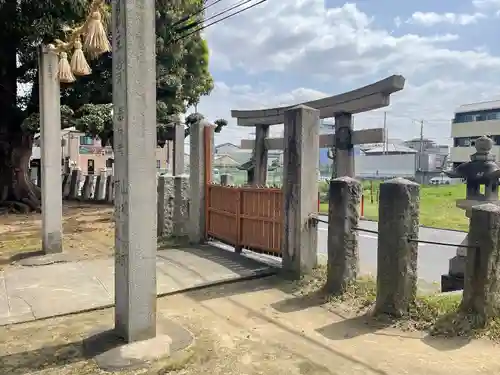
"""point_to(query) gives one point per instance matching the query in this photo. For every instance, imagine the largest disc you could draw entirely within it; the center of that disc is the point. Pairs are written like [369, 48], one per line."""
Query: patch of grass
[439, 314]
[437, 206]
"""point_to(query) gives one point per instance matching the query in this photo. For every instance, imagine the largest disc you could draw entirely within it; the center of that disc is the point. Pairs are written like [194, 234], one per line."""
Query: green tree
[25, 24]
[181, 69]
[96, 120]
[182, 77]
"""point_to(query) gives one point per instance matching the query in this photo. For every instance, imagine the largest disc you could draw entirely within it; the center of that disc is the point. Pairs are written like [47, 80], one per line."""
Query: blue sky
[287, 52]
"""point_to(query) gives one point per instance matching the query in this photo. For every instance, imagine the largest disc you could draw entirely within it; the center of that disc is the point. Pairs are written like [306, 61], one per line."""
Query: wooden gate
[246, 217]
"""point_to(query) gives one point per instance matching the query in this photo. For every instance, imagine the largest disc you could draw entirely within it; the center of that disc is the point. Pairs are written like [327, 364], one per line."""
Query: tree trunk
[17, 192]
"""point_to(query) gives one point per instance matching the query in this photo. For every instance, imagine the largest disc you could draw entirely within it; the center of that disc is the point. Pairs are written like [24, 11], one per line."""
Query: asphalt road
[432, 259]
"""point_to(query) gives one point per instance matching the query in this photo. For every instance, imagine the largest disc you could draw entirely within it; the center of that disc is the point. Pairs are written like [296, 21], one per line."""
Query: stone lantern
[481, 170]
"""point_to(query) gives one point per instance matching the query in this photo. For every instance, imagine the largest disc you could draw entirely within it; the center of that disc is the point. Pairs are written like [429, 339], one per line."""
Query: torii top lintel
[374, 96]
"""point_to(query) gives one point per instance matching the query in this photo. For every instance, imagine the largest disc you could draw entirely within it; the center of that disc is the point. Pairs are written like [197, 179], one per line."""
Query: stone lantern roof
[480, 170]
[482, 167]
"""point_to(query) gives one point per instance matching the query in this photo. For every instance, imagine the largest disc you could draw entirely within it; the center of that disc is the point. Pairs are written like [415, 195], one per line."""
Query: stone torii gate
[341, 107]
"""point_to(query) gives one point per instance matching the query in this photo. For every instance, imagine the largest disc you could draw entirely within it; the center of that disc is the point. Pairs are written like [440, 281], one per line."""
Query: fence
[97, 188]
[246, 217]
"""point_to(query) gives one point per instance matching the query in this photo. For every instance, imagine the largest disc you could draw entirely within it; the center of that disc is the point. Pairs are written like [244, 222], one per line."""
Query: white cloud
[433, 101]
[398, 22]
[431, 18]
[314, 49]
[280, 36]
[486, 4]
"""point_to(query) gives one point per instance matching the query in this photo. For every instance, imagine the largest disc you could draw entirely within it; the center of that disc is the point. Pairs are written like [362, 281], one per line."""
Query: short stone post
[343, 218]
[74, 184]
[50, 137]
[66, 185]
[98, 188]
[226, 179]
[399, 209]
[481, 294]
[161, 202]
[181, 205]
[87, 188]
[300, 190]
[196, 228]
[109, 189]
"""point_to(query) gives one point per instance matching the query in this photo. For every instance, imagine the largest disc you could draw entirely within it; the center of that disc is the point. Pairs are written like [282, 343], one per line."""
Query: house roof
[480, 106]
[226, 160]
[391, 148]
[227, 144]
[63, 132]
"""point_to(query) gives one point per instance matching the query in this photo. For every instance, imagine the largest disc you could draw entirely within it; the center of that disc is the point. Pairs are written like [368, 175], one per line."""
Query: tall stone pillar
[50, 136]
[261, 154]
[196, 227]
[178, 159]
[344, 149]
[300, 190]
[134, 118]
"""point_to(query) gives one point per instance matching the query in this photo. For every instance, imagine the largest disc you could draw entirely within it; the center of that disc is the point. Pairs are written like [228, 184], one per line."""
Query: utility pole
[385, 133]
[421, 136]
[421, 148]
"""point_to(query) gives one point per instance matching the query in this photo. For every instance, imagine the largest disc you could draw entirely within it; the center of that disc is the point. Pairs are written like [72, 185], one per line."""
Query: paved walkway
[30, 293]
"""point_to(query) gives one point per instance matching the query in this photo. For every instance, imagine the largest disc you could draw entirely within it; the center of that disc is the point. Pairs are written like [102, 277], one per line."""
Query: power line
[200, 22]
[221, 19]
[186, 18]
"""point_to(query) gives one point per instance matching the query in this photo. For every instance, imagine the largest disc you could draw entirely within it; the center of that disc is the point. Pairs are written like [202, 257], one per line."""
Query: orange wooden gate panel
[246, 217]
[261, 219]
[222, 219]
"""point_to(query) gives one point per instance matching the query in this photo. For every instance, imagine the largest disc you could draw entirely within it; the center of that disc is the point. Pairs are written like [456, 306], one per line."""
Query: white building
[472, 121]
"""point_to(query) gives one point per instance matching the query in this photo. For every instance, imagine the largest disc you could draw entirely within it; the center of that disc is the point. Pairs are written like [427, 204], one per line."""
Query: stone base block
[450, 283]
[111, 353]
[45, 259]
[457, 265]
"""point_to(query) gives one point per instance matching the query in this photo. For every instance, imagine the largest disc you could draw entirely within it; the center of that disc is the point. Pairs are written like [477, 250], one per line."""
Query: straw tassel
[65, 74]
[79, 64]
[96, 39]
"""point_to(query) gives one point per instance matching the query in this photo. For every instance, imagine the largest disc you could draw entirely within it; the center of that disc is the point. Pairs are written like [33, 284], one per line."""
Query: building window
[471, 141]
[158, 165]
[109, 163]
[493, 114]
[90, 166]
[86, 141]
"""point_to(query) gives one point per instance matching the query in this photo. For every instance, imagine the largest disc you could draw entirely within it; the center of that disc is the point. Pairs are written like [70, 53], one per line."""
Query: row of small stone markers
[172, 201]
[98, 188]
[397, 252]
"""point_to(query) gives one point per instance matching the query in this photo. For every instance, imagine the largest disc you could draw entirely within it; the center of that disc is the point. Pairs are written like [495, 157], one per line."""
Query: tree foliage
[182, 62]
[182, 76]
[96, 120]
